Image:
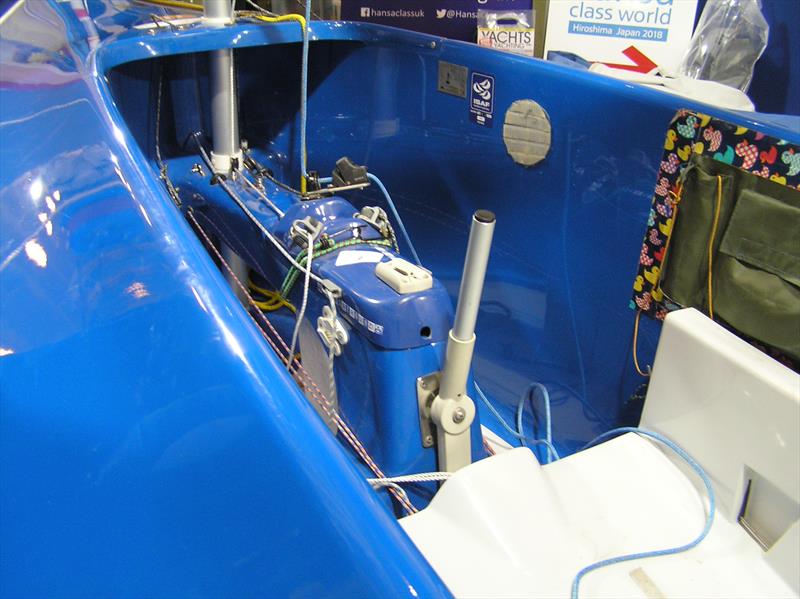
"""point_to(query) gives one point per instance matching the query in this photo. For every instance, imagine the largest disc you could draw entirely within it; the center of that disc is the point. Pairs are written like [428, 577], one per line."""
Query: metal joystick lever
[449, 408]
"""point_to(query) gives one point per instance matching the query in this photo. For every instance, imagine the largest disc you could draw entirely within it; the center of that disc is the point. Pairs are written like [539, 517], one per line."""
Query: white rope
[422, 477]
[302, 311]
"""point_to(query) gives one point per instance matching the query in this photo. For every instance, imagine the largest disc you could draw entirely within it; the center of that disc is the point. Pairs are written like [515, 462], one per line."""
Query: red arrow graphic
[641, 63]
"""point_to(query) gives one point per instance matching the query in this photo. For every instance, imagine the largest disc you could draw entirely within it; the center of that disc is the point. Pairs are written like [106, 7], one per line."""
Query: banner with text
[455, 19]
[605, 30]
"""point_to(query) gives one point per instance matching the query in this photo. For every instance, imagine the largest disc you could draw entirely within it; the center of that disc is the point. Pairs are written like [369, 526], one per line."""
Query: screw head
[428, 440]
[458, 415]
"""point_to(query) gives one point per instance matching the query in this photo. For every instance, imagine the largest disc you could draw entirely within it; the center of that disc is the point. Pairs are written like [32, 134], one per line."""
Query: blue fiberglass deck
[154, 444]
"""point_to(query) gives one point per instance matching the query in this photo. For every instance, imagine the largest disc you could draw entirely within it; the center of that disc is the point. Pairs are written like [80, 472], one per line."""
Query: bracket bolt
[458, 415]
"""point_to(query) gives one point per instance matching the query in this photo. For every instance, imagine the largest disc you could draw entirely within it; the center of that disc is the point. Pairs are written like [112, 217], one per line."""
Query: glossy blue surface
[152, 444]
[389, 320]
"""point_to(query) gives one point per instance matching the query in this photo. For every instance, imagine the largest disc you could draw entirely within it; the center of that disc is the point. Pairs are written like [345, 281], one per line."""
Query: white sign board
[605, 30]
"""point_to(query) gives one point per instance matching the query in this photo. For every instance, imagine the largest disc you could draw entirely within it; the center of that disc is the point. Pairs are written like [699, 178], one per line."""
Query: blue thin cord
[695, 466]
[379, 183]
[397, 218]
[550, 447]
[304, 96]
[528, 393]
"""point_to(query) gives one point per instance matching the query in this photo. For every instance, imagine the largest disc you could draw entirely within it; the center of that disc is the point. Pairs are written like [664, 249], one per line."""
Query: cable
[260, 9]
[311, 389]
[261, 194]
[521, 406]
[303, 86]
[632, 556]
[392, 207]
[711, 238]
[399, 220]
[162, 167]
[247, 212]
[303, 306]
[274, 300]
[304, 103]
[550, 447]
[174, 4]
[636, 345]
[392, 486]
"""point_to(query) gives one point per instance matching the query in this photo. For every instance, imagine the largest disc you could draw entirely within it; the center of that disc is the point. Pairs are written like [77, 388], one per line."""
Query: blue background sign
[481, 99]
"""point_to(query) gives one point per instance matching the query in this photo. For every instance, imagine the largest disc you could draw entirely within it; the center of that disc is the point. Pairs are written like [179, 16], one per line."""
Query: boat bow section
[151, 445]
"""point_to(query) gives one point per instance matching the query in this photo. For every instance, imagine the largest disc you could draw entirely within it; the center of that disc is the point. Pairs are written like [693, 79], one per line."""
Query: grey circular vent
[526, 132]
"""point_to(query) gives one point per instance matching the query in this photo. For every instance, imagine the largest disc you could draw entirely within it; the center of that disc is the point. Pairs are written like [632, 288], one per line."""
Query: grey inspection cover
[526, 132]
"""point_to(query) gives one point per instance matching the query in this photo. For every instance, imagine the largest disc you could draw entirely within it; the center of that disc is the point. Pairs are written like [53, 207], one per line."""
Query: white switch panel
[404, 277]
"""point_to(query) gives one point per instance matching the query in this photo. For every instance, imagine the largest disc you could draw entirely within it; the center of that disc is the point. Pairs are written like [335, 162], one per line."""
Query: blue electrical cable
[553, 454]
[528, 393]
[694, 465]
[397, 218]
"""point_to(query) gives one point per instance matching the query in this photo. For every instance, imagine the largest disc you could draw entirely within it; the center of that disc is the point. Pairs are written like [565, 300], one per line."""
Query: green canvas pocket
[685, 267]
[755, 253]
[756, 275]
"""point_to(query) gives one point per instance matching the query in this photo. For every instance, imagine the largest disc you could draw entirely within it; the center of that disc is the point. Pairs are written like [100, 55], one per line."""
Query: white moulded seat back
[737, 412]
[508, 527]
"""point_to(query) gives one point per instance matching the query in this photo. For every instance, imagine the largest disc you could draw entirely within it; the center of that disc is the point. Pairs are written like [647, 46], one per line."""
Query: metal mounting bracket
[427, 387]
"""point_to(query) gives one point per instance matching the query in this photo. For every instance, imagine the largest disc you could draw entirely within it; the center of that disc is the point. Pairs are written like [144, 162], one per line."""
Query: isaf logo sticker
[481, 99]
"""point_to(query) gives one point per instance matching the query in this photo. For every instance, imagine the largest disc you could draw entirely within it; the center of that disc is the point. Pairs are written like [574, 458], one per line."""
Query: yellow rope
[299, 19]
[676, 202]
[635, 344]
[278, 19]
[711, 247]
[283, 18]
[174, 4]
[274, 300]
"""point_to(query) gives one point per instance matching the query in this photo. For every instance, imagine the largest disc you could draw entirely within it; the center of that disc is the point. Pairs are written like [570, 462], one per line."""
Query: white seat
[508, 527]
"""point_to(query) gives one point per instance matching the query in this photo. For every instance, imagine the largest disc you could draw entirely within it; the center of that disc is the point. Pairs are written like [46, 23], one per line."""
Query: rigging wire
[312, 389]
[247, 211]
[303, 306]
[269, 176]
[261, 194]
[299, 371]
[303, 21]
[162, 167]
